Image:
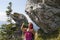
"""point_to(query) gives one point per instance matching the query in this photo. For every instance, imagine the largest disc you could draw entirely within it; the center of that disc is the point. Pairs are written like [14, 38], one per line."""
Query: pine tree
[7, 30]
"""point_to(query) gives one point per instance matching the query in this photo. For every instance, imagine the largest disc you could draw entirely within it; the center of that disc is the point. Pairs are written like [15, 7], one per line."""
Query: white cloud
[3, 16]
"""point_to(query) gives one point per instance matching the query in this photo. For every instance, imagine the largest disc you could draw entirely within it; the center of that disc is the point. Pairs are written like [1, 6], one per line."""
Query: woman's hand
[22, 28]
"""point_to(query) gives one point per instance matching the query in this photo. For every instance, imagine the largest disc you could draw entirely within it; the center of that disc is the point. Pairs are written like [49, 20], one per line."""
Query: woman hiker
[28, 31]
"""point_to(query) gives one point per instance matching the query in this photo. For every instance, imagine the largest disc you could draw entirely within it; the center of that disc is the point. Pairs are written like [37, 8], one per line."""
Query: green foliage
[6, 31]
[9, 9]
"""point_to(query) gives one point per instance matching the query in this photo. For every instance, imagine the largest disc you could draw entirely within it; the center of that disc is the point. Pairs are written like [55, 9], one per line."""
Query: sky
[17, 6]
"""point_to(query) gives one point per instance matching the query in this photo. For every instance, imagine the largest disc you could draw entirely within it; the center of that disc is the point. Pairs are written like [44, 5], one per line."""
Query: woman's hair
[30, 25]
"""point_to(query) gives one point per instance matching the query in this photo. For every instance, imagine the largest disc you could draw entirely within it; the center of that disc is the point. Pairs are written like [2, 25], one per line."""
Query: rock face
[19, 19]
[45, 13]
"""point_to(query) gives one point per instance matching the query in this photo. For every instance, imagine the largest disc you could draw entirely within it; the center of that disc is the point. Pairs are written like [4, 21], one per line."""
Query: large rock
[45, 13]
[19, 19]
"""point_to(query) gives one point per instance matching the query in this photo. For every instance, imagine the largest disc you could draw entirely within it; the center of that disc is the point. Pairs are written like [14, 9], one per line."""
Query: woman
[28, 32]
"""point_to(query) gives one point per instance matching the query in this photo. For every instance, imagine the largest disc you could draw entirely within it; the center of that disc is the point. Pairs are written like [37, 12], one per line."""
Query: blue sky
[17, 6]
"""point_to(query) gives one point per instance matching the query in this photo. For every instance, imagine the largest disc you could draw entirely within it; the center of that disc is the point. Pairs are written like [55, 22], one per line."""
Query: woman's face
[30, 25]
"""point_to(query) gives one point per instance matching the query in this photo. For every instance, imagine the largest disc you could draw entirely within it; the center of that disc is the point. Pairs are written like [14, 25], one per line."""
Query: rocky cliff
[19, 19]
[45, 13]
